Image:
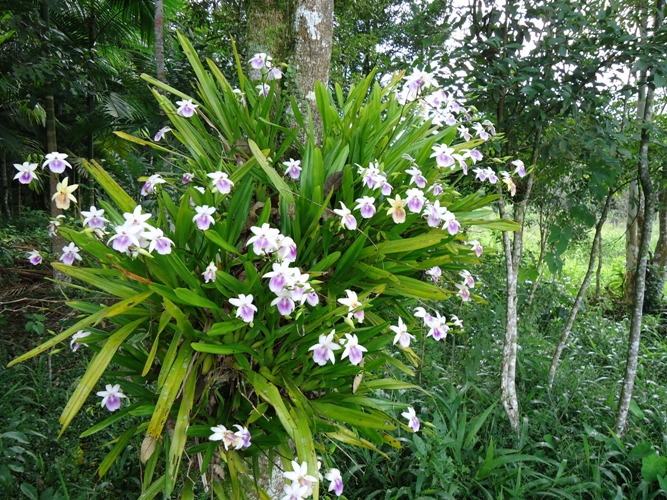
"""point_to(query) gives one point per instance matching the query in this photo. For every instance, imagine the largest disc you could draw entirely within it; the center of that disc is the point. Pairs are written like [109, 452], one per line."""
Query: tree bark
[597, 240]
[57, 241]
[269, 30]
[631, 241]
[513, 252]
[313, 26]
[640, 280]
[540, 260]
[598, 272]
[158, 28]
[660, 253]
[4, 182]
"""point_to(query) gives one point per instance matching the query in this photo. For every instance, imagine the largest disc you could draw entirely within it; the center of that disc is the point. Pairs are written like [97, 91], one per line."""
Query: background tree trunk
[269, 30]
[660, 253]
[57, 241]
[598, 272]
[4, 182]
[645, 113]
[597, 241]
[313, 26]
[513, 252]
[540, 260]
[158, 28]
[631, 241]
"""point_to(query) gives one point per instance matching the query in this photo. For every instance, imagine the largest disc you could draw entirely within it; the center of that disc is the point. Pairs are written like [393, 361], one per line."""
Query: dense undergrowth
[566, 448]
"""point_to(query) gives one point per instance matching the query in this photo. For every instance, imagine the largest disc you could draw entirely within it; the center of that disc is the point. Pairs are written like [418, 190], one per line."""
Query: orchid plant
[272, 296]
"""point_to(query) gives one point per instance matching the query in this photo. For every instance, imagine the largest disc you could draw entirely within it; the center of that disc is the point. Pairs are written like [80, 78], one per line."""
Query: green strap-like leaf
[373, 419]
[222, 348]
[269, 392]
[179, 437]
[150, 144]
[95, 369]
[416, 289]
[277, 181]
[194, 299]
[115, 192]
[169, 391]
[406, 245]
[115, 452]
[107, 312]
[220, 241]
[104, 279]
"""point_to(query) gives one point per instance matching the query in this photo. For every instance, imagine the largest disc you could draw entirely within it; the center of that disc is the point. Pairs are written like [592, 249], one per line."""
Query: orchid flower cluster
[302, 484]
[264, 70]
[288, 284]
[468, 280]
[443, 108]
[63, 198]
[57, 164]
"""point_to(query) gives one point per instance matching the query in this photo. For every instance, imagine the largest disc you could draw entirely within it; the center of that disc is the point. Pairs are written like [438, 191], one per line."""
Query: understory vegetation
[566, 447]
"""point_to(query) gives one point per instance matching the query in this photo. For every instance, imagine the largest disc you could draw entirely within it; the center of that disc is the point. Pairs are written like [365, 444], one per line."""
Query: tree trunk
[313, 26]
[597, 240]
[660, 253]
[598, 272]
[540, 259]
[635, 208]
[631, 241]
[4, 182]
[269, 30]
[158, 28]
[645, 113]
[513, 253]
[57, 241]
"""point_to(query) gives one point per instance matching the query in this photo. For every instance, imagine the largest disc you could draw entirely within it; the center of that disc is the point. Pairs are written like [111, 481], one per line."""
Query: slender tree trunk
[598, 272]
[513, 252]
[90, 145]
[597, 240]
[660, 253]
[57, 241]
[158, 28]
[631, 241]
[540, 260]
[633, 224]
[4, 182]
[313, 26]
[640, 281]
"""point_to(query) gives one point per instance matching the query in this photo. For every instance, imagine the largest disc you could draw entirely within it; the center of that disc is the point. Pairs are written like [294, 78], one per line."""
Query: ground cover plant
[248, 311]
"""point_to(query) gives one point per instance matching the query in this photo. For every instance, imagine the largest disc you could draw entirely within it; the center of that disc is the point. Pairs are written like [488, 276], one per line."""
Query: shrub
[259, 309]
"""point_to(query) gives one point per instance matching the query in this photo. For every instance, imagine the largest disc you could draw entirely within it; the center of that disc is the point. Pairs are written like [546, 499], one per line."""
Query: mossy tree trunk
[269, 30]
[299, 32]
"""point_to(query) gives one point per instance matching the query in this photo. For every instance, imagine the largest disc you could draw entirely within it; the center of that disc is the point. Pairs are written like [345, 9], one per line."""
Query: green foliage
[20, 234]
[32, 462]
[565, 448]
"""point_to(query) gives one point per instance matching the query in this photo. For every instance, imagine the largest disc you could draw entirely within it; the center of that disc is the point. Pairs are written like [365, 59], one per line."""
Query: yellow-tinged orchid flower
[397, 210]
[64, 195]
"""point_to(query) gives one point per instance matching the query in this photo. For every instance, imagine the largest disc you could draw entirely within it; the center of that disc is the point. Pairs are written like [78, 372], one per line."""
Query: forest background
[553, 388]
